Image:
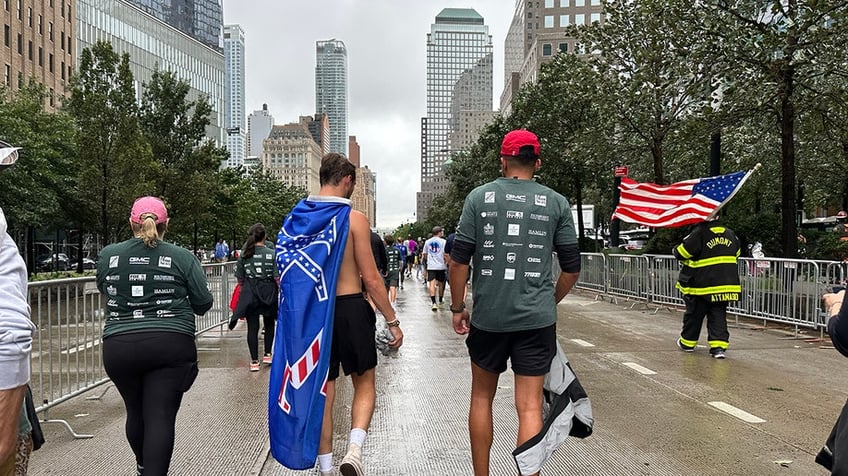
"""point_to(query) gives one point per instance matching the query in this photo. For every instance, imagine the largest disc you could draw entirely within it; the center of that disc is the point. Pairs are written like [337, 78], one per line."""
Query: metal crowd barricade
[67, 358]
[662, 277]
[592, 272]
[627, 276]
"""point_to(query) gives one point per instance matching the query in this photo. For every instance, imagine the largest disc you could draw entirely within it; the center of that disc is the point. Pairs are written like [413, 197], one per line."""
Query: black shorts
[353, 347]
[439, 275]
[530, 352]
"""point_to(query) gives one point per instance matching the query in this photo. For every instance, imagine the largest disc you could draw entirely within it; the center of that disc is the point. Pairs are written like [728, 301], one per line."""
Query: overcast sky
[387, 46]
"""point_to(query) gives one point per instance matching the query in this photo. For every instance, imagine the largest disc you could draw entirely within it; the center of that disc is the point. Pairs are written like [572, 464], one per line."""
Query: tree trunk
[786, 122]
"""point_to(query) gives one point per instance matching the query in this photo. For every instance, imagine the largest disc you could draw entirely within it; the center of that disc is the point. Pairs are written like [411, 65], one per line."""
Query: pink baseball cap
[150, 205]
[515, 140]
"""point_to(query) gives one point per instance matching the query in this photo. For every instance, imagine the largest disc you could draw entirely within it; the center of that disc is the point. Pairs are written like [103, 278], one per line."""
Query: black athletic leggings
[269, 319]
[151, 370]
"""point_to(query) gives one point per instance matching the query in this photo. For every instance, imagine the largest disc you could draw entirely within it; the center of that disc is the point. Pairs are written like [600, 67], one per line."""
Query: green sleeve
[198, 290]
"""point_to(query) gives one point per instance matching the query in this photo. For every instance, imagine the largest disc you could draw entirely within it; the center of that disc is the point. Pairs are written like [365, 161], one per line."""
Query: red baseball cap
[515, 140]
[151, 205]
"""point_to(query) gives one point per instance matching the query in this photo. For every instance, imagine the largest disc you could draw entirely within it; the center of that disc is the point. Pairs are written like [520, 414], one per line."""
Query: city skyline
[387, 73]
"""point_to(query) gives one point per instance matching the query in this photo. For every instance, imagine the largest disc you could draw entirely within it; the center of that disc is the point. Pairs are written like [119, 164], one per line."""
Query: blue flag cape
[309, 251]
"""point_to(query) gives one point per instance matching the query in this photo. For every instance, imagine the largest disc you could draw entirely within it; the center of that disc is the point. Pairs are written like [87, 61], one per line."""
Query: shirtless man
[353, 345]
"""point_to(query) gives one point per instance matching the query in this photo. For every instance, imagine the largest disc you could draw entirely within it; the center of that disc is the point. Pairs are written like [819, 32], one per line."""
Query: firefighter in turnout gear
[708, 280]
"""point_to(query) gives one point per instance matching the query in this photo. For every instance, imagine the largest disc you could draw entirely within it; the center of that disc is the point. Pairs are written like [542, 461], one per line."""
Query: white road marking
[733, 411]
[582, 343]
[639, 368]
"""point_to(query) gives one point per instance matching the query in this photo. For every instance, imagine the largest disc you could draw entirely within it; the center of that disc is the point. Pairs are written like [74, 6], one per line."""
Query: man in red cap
[511, 227]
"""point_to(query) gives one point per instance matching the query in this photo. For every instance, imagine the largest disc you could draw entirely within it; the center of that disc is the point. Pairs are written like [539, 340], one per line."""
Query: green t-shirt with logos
[262, 265]
[514, 226]
[150, 289]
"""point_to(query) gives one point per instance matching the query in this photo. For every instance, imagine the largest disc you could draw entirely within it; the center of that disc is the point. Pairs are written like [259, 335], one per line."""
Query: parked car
[87, 263]
[54, 262]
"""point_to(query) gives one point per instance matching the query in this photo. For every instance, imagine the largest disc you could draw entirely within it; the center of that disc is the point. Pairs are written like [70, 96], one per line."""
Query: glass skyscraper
[234, 94]
[201, 19]
[331, 90]
[459, 78]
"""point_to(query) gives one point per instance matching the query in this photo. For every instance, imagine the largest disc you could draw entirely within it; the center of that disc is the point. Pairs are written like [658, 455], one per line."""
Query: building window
[50, 62]
[29, 50]
[19, 10]
[40, 56]
[596, 3]
[579, 19]
[62, 9]
[63, 70]
[563, 47]
[50, 30]
[579, 3]
[62, 35]
[52, 100]
[20, 44]
[40, 25]
[8, 76]
[564, 20]
[529, 25]
[549, 21]
[564, 3]
[7, 33]
[549, 3]
[20, 79]
[29, 16]
[595, 17]
[546, 49]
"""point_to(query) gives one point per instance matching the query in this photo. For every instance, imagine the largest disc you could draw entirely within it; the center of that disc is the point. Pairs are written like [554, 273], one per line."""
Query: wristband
[393, 323]
[458, 309]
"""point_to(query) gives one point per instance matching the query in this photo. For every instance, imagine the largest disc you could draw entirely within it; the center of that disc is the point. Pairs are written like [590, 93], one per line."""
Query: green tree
[775, 52]
[113, 158]
[185, 159]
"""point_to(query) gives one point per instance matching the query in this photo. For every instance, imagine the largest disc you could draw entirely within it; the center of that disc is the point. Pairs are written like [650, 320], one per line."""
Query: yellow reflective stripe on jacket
[701, 263]
[730, 288]
[682, 251]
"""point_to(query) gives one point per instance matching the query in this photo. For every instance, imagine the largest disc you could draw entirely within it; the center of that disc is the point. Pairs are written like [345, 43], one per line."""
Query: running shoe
[266, 359]
[719, 354]
[435, 307]
[684, 348]
[352, 462]
[254, 366]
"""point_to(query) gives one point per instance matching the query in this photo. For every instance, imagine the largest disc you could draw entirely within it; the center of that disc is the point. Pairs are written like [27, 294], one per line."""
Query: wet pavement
[765, 410]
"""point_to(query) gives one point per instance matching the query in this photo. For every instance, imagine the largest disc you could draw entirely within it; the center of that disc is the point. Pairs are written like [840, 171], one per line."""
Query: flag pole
[741, 182]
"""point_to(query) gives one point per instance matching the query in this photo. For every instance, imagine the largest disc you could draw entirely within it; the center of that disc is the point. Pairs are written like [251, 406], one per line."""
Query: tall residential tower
[331, 90]
[459, 80]
[234, 94]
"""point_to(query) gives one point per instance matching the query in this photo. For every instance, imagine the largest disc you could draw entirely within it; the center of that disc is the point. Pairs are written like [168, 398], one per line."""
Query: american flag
[678, 204]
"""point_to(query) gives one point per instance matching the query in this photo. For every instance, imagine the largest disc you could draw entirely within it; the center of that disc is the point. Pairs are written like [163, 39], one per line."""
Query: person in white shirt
[434, 252]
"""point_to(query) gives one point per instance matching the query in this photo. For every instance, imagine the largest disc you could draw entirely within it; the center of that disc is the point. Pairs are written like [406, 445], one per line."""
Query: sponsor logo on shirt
[138, 314]
[164, 291]
[509, 274]
[512, 245]
[488, 257]
[537, 232]
[510, 258]
[511, 197]
[113, 261]
[135, 260]
[137, 291]
[112, 290]
[488, 244]
[485, 272]
[536, 216]
[489, 197]
[534, 246]
[489, 214]
[163, 277]
[269, 256]
[113, 314]
[164, 313]
[137, 277]
[513, 229]
[488, 229]
[112, 303]
[164, 301]
[137, 304]
[532, 259]
[514, 214]
[164, 261]
[113, 277]
[541, 200]
[528, 274]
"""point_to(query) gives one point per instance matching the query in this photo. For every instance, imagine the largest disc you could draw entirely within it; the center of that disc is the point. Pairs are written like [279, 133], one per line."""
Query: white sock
[325, 462]
[357, 437]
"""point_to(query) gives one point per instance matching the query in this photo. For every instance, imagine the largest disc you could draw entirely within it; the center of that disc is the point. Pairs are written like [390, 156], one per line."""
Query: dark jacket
[566, 410]
[709, 256]
[834, 454]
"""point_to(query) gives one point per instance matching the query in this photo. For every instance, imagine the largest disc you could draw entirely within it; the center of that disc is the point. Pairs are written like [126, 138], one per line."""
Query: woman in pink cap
[153, 290]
